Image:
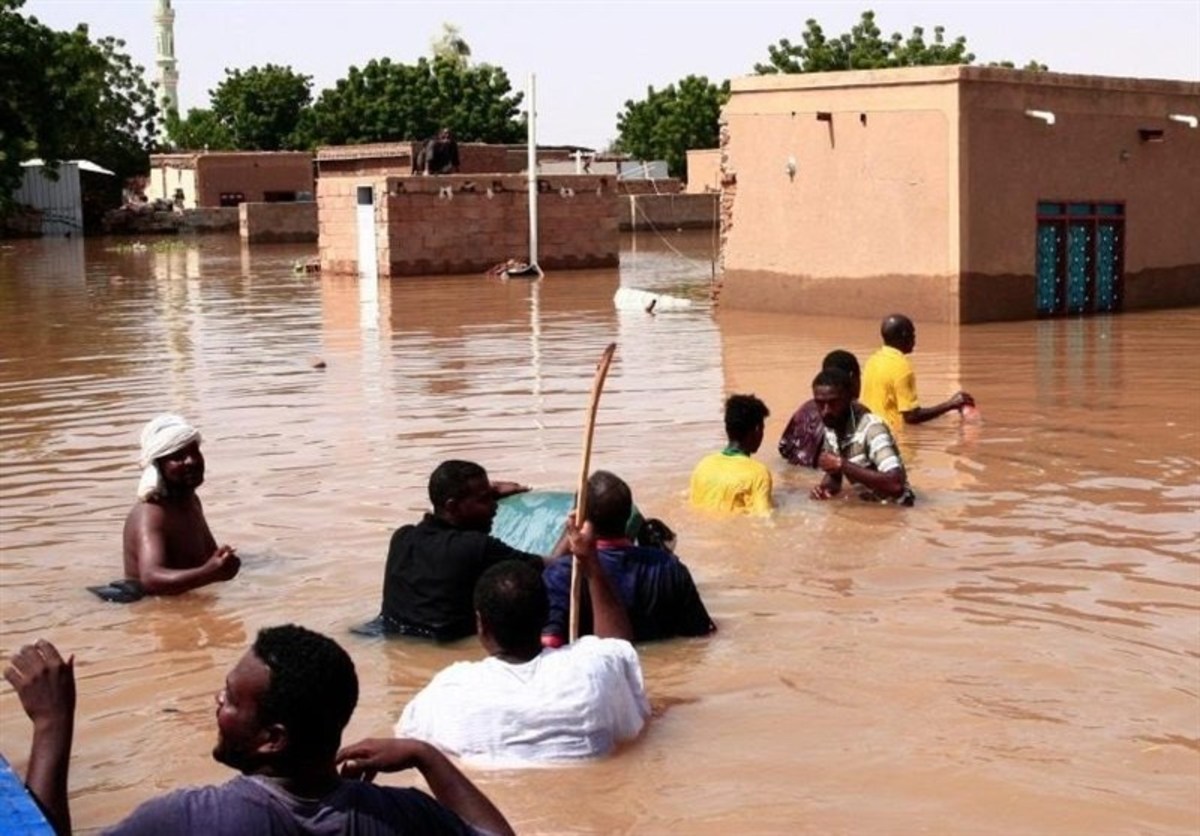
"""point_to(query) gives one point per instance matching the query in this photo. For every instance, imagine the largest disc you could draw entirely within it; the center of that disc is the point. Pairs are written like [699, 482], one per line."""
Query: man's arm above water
[921, 414]
[45, 685]
[150, 548]
[449, 786]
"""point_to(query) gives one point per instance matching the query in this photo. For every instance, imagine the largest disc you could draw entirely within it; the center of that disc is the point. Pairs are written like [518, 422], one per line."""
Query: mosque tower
[168, 76]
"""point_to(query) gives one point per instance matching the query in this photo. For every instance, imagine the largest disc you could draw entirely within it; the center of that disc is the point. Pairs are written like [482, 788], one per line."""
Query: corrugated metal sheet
[59, 201]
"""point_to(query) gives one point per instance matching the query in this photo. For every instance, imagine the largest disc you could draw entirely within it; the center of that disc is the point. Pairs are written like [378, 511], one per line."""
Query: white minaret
[168, 76]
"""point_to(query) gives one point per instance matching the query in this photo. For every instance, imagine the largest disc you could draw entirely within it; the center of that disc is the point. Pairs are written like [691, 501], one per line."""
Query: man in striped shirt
[858, 445]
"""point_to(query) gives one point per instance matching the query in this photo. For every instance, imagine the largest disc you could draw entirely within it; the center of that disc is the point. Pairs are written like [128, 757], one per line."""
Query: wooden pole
[585, 464]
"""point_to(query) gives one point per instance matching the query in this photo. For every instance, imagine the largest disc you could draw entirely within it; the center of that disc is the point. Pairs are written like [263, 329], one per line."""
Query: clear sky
[590, 57]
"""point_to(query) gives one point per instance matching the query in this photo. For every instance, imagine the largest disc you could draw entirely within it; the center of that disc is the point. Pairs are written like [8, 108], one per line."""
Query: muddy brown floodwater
[1019, 653]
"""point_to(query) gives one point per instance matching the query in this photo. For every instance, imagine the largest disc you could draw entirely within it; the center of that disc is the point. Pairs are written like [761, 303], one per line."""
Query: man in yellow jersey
[889, 385]
[730, 480]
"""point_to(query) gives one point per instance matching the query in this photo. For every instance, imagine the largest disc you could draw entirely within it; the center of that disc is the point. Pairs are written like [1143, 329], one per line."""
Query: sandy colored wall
[424, 231]
[261, 223]
[165, 179]
[252, 174]
[704, 170]
[1092, 153]
[869, 215]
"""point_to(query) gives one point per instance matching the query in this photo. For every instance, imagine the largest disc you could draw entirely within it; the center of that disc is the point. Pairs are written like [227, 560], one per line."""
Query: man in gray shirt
[280, 718]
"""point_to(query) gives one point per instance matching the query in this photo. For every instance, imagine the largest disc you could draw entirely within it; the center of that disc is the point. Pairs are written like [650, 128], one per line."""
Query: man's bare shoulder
[144, 513]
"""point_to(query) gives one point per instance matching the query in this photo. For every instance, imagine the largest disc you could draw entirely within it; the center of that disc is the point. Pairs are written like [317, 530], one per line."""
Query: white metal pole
[531, 124]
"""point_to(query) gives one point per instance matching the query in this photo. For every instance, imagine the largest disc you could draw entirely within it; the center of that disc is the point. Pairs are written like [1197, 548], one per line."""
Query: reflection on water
[1020, 651]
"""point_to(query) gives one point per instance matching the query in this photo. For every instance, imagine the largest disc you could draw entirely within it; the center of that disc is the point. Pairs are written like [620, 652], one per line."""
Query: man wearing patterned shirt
[804, 435]
[858, 445]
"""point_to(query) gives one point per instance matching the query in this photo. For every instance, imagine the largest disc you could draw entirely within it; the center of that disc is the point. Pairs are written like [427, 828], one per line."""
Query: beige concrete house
[960, 194]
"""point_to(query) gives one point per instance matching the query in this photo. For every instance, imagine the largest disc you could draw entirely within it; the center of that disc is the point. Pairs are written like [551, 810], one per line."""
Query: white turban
[163, 436]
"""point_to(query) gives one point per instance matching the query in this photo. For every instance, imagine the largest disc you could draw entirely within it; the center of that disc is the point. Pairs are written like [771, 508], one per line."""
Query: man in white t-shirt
[528, 704]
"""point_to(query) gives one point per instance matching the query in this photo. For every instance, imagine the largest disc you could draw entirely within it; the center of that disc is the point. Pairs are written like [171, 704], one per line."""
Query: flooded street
[1019, 652]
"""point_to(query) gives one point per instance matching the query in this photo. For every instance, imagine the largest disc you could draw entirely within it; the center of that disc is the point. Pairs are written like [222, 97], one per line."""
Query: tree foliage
[864, 48]
[200, 130]
[665, 124]
[387, 101]
[64, 96]
[261, 107]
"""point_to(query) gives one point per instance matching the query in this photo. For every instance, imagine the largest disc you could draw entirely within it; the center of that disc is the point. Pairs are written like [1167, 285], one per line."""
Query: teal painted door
[1079, 260]
[1109, 247]
[1079, 267]
[1050, 255]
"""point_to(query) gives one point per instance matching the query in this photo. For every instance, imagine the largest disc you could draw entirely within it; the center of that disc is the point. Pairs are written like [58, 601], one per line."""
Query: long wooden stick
[581, 500]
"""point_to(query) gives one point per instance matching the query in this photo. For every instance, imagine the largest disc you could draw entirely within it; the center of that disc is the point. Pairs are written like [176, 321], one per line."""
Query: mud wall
[278, 222]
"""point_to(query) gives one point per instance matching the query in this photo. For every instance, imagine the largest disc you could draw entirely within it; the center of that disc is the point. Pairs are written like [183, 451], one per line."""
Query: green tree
[864, 48]
[261, 107]
[387, 102]
[63, 96]
[200, 130]
[665, 124]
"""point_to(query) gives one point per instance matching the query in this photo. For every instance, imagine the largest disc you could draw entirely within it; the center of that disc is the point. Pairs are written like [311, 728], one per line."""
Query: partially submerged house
[960, 194]
[205, 179]
[375, 216]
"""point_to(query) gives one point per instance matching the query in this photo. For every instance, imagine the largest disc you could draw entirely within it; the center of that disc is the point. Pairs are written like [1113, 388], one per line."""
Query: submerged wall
[469, 223]
[264, 223]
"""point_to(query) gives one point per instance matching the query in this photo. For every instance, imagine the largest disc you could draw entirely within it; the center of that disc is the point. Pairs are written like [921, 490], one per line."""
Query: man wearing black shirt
[432, 566]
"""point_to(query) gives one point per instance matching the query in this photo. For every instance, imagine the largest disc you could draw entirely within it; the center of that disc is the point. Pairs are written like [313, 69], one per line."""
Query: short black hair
[833, 377]
[896, 328]
[609, 504]
[743, 415]
[839, 358]
[452, 480]
[511, 600]
[313, 687]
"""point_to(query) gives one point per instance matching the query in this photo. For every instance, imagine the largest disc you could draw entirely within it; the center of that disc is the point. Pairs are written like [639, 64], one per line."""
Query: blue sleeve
[692, 619]
[557, 577]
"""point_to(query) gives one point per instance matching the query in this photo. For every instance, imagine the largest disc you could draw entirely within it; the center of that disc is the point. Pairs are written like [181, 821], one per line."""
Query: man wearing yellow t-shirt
[889, 385]
[730, 480]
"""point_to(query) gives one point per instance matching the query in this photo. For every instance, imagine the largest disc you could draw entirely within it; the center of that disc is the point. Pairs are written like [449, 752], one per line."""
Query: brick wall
[396, 159]
[669, 211]
[466, 224]
[261, 223]
[337, 237]
[670, 185]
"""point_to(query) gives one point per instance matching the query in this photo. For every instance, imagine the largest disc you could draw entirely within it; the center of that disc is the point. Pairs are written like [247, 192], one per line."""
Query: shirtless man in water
[168, 546]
